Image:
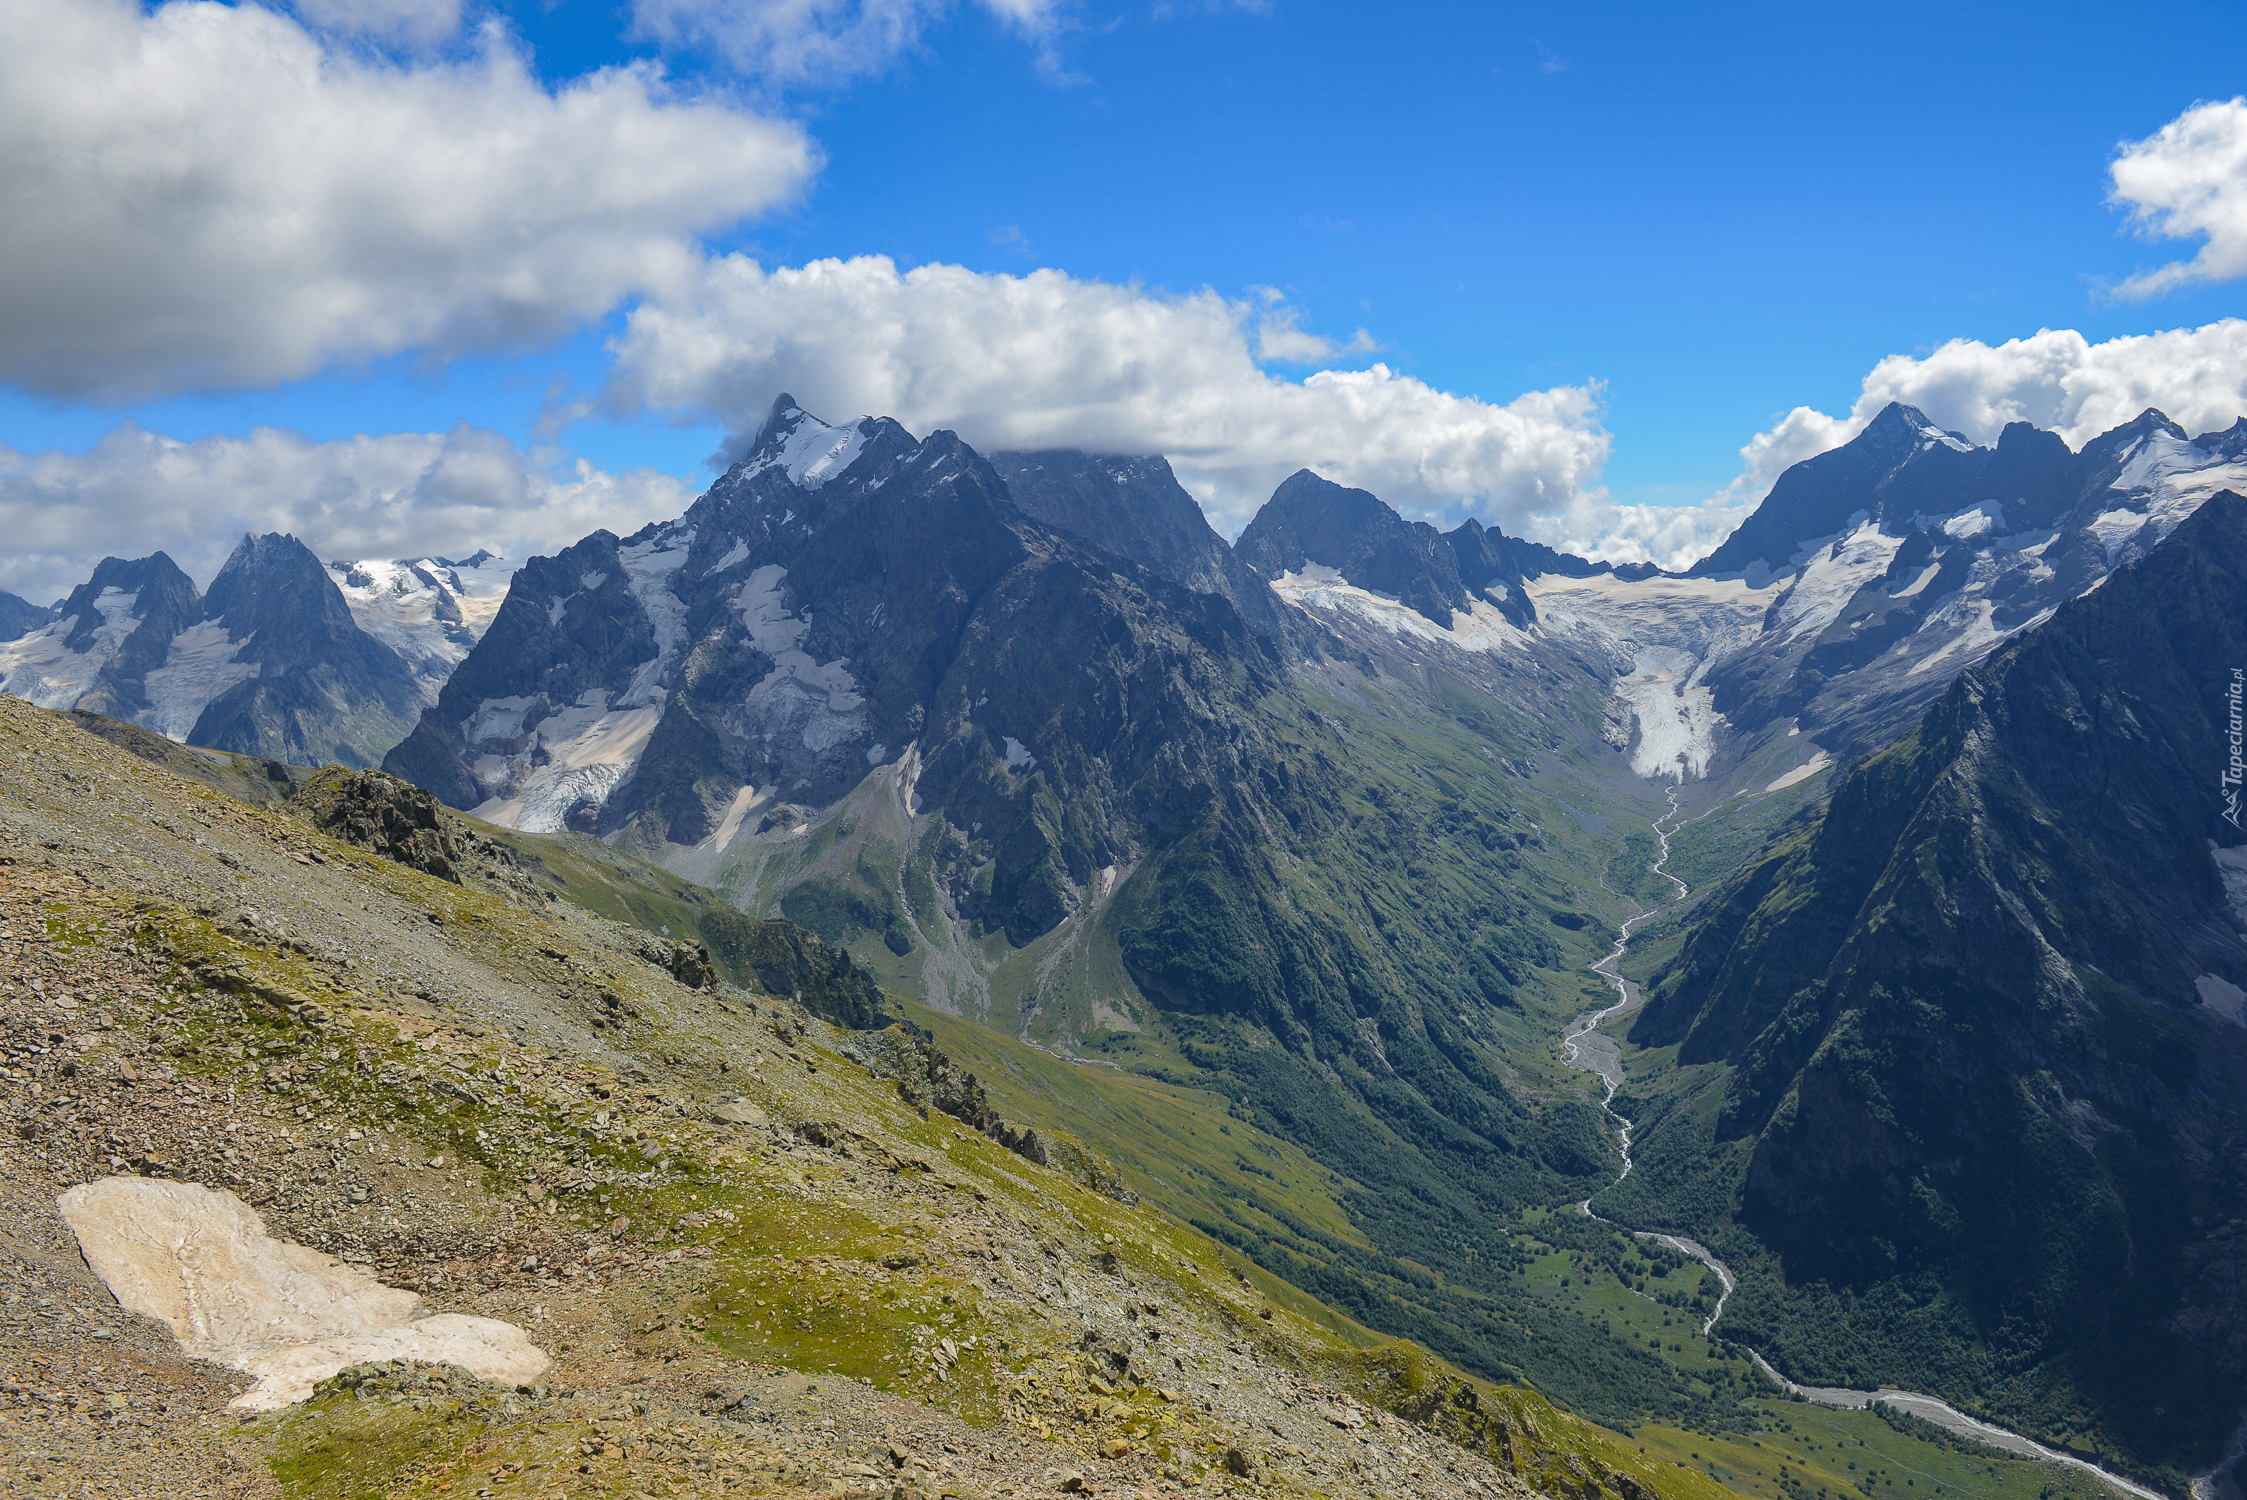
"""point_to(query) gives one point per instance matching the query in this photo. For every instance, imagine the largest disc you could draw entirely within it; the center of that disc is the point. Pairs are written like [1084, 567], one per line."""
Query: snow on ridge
[200, 665]
[1976, 520]
[648, 567]
[1827, 582]
[1480, 627]
[813, 452]
[2165, 480]
[481, 588]
[42, 669]
[430, 610]
[1930, 435]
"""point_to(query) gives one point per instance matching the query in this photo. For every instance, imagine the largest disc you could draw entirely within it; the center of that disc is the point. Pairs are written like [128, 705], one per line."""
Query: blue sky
[1721, 218]
[1705, 221]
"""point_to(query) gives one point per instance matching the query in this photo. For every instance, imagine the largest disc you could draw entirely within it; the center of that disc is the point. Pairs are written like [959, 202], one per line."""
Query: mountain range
[283, 658]
[1333, 821]
[1964, 1051]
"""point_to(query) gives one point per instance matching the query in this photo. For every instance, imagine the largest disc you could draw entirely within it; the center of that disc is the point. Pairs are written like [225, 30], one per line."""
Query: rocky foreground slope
[758, 1258]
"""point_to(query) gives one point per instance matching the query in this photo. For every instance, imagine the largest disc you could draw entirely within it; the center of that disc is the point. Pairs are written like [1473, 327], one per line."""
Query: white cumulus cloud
[825, 43]
[1049, 360]
[2055, 379]
[2188, 180]
[396, 495]
[207, 195]
[416, 23]
[1670, 536]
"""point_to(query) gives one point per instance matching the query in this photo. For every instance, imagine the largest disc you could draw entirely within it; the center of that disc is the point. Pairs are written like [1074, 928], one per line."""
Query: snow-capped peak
[1899, 426]
[808, 450]
[430, 610]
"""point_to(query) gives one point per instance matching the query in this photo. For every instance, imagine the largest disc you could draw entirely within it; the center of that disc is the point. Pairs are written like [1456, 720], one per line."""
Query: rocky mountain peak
[116, 594]
[2228, 442]
[274, 582]
[1498, 567]
[19, 616]
[1901, 465]
[730, 673]
[1133, 507]
[1900, 428]
[269, 663]
[810, 452]
[1312, 521]
[2117, 443]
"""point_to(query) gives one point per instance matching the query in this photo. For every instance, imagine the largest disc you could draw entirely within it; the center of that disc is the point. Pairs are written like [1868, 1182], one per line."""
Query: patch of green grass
[843, 1311]
[337, 1447]
[1802, 1451]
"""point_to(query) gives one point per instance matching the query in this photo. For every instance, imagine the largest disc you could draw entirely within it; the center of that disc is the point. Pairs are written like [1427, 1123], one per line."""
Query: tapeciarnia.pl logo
[2235, 768]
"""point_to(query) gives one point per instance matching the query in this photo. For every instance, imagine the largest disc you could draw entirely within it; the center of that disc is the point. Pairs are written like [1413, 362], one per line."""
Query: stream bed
[1594, 1051]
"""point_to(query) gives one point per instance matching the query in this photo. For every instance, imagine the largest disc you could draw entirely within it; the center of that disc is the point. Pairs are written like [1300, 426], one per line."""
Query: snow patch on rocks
[1803, 772]
[199, 1260]
[648, 567]
[200, 665]
[1831, 578]
[819, 702]
[2223, 997]
[1318, 587]
[813, 452]
[575, 756]
[2231, 868]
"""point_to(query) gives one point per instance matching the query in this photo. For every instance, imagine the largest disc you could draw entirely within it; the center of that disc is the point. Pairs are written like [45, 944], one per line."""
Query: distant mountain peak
[2121, 440]
[1899, 427]
[1132, 506]
[430, 610]
[2224, 442]
[811, 452]
[1312, 520]
[20, 616]
[269, 662]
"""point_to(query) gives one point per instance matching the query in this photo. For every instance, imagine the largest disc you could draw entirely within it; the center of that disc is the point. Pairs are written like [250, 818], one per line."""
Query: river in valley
[1595, 1051]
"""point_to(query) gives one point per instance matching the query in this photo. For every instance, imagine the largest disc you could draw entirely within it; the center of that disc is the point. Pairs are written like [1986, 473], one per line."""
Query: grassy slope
[877, 1276]
[1176, 1101]
[1202, 1152]
[1189, 1150]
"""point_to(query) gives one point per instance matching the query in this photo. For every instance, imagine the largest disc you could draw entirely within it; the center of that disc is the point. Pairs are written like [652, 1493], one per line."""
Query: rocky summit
[931, 972]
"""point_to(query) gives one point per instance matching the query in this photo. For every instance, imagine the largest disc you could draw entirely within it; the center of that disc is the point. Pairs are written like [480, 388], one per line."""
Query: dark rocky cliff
[1983, 1021]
